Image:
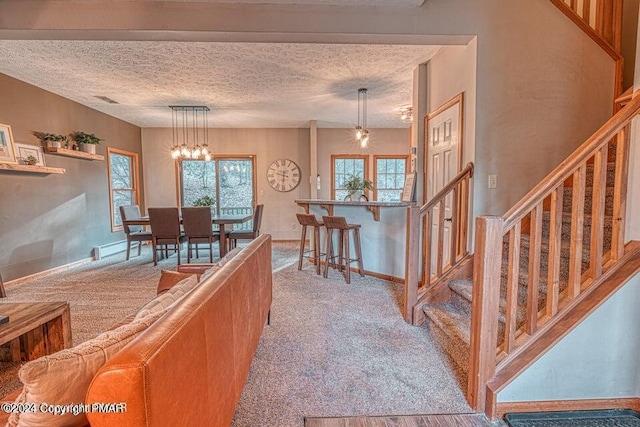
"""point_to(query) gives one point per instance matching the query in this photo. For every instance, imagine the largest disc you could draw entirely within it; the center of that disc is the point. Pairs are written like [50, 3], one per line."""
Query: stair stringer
[619, 273]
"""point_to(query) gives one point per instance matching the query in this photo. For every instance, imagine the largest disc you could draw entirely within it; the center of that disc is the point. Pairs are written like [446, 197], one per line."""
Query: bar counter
[383, 232]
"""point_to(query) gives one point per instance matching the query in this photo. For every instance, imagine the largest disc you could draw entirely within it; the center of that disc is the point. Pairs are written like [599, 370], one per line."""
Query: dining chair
[196, 222]
[236, 235]
[165, 231]
[134, 233]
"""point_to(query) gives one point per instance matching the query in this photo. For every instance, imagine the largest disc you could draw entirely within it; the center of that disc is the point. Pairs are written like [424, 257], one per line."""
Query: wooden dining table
[220, 220]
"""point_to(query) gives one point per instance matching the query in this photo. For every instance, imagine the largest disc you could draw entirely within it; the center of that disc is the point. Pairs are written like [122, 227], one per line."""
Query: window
[389, 173]
[343, 166]
[229, 183]
[123, 182]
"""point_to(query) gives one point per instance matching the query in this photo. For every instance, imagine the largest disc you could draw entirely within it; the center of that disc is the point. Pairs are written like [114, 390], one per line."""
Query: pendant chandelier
[406, 114]
[362, 133]
[190, 132]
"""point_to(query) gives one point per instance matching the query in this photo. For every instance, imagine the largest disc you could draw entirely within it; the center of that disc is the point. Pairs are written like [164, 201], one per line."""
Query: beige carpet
[101, 293]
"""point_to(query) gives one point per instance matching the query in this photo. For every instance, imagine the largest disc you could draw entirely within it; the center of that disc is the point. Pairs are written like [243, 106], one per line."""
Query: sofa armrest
[194, 268]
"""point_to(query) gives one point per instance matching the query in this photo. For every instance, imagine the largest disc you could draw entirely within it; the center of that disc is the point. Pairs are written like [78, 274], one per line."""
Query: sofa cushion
[168, 279]
[163, 301]
[63, 378]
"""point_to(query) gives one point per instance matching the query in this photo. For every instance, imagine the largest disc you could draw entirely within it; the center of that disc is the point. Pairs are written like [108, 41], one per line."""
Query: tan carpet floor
[101, 293]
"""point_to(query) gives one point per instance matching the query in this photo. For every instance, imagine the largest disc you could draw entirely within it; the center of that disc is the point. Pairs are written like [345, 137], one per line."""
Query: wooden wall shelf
[30, 169]
[73, 153]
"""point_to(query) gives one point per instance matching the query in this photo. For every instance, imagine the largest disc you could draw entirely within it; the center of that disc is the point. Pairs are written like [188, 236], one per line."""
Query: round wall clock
[283, 175]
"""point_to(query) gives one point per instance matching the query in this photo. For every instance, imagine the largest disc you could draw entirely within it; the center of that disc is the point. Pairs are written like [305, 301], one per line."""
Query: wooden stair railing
[527, 316]
[419, 277]
[602, 21]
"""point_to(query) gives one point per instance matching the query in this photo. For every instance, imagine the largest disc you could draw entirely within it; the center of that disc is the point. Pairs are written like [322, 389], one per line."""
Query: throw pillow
[162, 302]
[63, 378]
[168, 279]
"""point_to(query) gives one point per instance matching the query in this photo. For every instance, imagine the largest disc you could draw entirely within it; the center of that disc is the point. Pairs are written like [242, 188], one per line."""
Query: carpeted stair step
[588, 200]
[586, 231]
[462, 294]
[452, 329]
[611, 173]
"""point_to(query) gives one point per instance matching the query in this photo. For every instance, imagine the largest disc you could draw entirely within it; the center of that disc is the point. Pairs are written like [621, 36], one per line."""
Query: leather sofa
[188, 368]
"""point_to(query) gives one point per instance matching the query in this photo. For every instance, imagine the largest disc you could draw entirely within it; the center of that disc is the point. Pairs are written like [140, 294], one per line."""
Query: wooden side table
[34, 330]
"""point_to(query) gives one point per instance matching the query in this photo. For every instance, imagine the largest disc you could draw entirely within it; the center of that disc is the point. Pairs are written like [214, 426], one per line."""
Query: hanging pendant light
[190, 132]
[362, 133]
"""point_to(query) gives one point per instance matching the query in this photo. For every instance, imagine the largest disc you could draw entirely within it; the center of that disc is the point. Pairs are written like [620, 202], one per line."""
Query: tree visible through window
[389, 177]
[123, 182]
[344, 167]
[228, 182]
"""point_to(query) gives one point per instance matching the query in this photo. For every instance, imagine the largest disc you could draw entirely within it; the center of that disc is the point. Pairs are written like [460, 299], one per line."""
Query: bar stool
[305, 221]
[344, 258]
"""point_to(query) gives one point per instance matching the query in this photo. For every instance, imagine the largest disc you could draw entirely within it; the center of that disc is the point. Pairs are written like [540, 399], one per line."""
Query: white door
[443, 164]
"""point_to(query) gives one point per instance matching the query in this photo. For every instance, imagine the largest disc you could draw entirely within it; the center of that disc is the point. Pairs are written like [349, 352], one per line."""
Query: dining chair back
[134, 233]
[165, 231]
[236, 235]
[196, 222]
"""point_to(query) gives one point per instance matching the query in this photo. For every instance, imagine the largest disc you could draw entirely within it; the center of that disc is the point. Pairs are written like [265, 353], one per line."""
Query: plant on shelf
[87, 141]
[203, 201]
[30, 160]
[356, 187]
[51, 140]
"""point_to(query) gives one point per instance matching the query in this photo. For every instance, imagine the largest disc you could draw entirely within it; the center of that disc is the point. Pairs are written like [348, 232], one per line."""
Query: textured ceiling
[244, 84]
[388, 3]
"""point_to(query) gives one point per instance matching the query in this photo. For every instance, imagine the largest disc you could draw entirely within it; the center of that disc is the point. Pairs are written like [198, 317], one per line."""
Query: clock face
[283, 175]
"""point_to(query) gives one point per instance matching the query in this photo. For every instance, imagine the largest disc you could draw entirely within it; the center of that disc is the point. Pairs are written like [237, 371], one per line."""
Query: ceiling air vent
[106, 99]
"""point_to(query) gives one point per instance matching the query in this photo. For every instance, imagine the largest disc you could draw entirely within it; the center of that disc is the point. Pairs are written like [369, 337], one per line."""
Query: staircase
[450, 321]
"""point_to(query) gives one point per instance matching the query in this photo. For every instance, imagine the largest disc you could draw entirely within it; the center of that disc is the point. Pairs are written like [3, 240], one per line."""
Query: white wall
[597, 360]
[267, 144]
[342, 141]
[450, 72]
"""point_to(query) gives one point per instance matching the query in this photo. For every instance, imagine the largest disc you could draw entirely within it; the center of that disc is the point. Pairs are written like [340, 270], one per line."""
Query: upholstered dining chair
[165, 231]
[196, 222]
[135, 233]
[236, 235]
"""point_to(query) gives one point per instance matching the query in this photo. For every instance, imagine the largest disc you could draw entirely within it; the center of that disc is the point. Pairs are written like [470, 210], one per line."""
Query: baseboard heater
[109, 249]
[599, 418]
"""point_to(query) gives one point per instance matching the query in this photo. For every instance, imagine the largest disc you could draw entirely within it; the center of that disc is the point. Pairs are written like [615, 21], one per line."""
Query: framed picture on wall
[7, 147]
[24, 151]
[409, 187]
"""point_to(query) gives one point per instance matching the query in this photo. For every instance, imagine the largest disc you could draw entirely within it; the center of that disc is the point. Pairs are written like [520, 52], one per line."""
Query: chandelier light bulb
[207, 157]
[205, 150]
[196, 152]
[358, 133]
[365, 139]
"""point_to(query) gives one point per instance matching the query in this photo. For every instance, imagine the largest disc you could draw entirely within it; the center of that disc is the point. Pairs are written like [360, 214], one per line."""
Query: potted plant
[203, 201]
[87, 141]
[51, 140]
[356, 186]
[30, 160]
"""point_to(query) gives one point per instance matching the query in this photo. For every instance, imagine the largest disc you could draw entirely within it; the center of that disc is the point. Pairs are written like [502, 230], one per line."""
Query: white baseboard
[44, 273]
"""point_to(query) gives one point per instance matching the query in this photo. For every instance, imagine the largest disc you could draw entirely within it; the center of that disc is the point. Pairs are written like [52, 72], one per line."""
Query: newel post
[412, 262]
[484, 311]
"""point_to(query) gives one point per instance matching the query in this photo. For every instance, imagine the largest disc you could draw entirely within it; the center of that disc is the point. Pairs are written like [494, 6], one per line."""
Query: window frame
[135, 181]
[335, 157]
[375, 168]
[216, 157]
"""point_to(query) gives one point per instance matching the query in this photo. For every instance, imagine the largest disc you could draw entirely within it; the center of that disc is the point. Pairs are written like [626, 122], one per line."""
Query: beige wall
[267, 144]
[543, 86]
[50, 220]
[342, 141]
